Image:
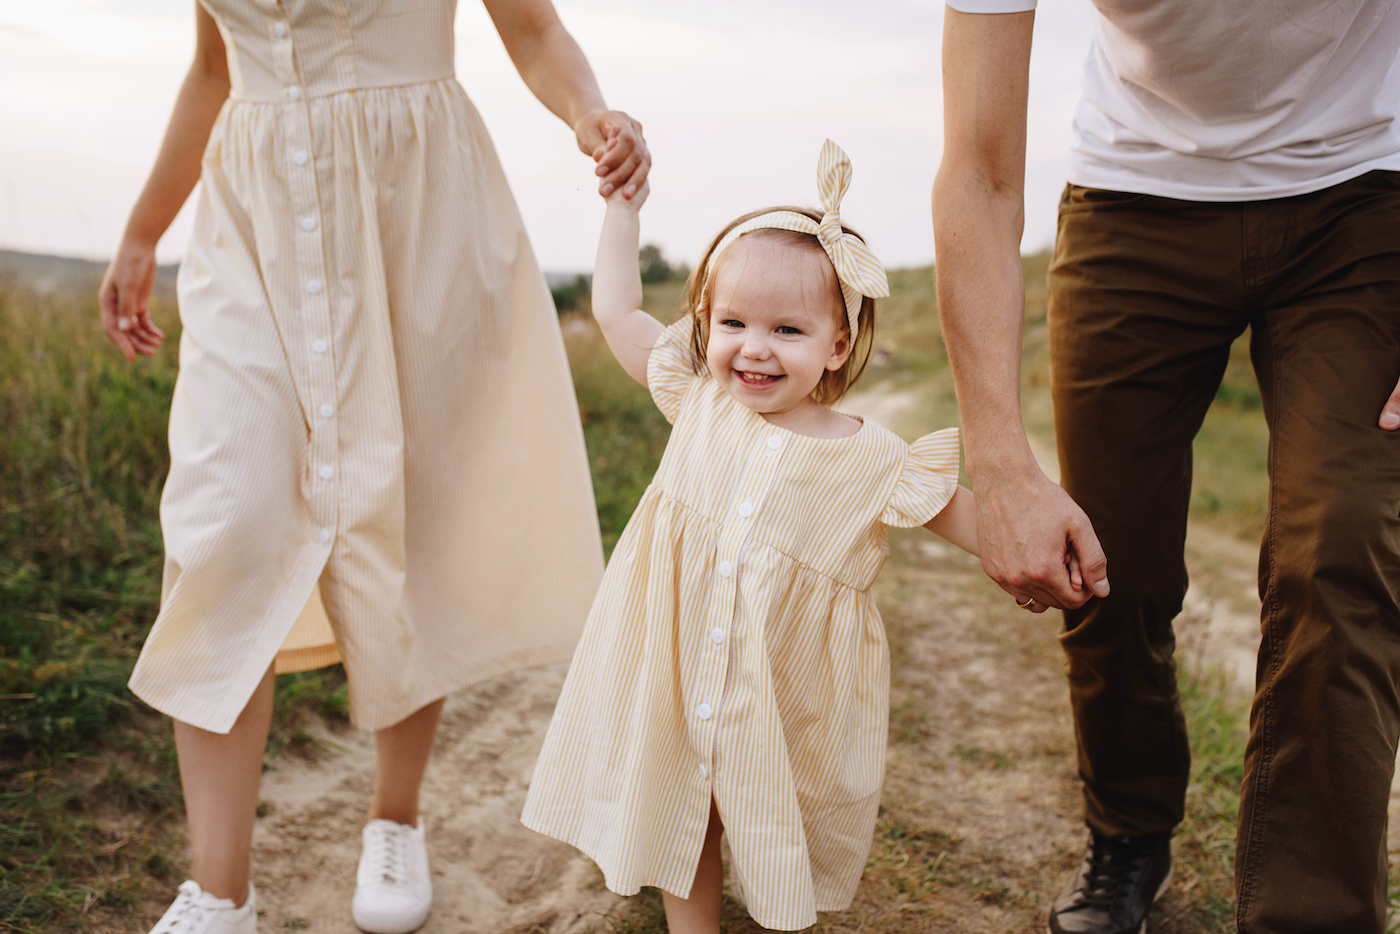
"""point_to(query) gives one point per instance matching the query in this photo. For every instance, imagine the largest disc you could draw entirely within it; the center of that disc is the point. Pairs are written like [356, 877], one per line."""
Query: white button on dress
[300, 157]
[326, 471]
[280, 28]
[704, 712]
[725, 569]
[325, 535]
[717, 635]
[774, 442]
[308, 223]
[313, 286]
[294, 93]
[327, 410]
[744, 509]
[319, 346]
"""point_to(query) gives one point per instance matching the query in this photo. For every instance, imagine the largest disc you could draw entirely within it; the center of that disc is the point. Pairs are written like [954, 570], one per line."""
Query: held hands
[1039, 545]
[615, 142]
[619, 200]
[124, 299]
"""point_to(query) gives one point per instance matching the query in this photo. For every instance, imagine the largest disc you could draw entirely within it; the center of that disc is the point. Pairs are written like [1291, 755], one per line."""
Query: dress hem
[771, 923]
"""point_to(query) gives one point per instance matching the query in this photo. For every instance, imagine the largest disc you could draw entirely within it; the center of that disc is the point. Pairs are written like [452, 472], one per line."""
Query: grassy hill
[89, 795]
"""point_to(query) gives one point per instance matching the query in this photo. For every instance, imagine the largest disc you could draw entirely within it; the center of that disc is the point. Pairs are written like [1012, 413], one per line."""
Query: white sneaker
[393, 892]
[195, 911]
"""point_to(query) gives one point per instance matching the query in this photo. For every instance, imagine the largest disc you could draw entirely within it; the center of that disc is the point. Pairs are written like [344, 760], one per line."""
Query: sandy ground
[980, 824]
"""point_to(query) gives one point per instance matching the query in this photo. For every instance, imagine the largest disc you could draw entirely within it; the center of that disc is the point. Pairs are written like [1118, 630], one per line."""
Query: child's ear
[841, 350]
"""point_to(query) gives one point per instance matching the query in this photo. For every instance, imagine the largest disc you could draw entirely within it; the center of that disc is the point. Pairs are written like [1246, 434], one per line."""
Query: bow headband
[857, 269]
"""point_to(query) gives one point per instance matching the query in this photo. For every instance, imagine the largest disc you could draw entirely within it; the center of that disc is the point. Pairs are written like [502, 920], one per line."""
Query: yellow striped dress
[375, 448]
[734, 651]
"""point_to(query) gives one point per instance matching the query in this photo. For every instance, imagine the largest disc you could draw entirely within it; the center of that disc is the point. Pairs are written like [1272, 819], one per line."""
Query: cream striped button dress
[375, 447]
[734, 651]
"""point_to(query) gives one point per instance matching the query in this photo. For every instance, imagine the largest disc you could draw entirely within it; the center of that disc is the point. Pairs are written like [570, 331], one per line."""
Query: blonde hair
[834, 383]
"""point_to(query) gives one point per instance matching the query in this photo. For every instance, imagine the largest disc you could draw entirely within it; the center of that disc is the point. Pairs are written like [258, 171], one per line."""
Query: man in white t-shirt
[1235, 165]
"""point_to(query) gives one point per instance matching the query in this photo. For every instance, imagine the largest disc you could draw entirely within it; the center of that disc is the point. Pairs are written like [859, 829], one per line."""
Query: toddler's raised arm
[617, 287]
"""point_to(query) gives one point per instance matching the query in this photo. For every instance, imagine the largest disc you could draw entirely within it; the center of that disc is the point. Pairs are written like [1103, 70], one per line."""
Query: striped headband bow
[857, 269]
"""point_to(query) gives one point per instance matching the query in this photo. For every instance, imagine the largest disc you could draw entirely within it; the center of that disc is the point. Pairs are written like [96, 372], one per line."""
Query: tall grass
[89, 790]
[89, 796]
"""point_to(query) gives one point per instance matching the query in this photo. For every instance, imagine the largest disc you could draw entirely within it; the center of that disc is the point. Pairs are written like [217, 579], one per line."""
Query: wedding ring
[1030, 602]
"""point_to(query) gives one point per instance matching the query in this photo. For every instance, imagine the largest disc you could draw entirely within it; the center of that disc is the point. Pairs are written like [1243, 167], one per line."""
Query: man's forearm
[981, 303]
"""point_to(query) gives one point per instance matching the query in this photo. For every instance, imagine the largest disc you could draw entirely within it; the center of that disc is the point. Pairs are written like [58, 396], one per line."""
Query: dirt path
[980, 823]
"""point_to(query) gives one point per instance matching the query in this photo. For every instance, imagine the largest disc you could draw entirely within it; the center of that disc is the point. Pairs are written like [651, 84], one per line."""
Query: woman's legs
[699, 914]
[220, 773]
[401, 755]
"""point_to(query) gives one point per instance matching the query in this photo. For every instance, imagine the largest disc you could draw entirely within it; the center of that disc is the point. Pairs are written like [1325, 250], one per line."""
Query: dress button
[319, 346]
[308, 223]
[745, 509]
[774, 442]
[725, 569]
[327, 410]
[717, 635]
[326, 472]
[294, 93]
[279, 28]
[313, 286]
[325, 535]
[703, 711]
[300, 157]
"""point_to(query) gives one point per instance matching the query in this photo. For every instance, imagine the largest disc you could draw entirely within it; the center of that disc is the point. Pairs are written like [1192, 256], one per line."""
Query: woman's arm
[126, 288]
[556, 71]
[617, 287]
[958, 521]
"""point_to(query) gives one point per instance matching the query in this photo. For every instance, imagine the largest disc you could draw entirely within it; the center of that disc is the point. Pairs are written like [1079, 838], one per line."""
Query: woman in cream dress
[375, 449]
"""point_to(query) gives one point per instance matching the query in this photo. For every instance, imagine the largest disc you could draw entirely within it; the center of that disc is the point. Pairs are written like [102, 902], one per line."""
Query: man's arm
[1029, 528]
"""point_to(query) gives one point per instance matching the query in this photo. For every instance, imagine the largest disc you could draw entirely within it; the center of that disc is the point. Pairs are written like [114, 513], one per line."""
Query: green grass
[89, 796]
[89, 791]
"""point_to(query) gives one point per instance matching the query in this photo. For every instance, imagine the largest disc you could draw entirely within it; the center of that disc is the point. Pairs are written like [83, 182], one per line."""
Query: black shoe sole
[1142, 928]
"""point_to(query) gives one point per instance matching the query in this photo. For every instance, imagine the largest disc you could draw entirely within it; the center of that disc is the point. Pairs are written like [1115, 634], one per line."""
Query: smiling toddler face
[777, 323]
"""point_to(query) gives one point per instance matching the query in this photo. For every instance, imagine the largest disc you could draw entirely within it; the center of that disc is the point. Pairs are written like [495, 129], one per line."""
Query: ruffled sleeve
[670, 372]
[927, 483]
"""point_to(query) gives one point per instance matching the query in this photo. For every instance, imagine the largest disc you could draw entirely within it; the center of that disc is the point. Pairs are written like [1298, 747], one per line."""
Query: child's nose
[755, 347]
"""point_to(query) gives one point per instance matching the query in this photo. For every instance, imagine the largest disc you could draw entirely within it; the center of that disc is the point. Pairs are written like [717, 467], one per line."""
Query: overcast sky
[736, 97]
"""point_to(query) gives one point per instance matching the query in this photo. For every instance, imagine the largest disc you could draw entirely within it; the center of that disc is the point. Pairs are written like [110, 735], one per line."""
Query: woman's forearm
[551, 63]
[177, 166]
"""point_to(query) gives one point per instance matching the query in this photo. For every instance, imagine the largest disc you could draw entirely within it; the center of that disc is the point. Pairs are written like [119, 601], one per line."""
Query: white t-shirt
[1233, 100]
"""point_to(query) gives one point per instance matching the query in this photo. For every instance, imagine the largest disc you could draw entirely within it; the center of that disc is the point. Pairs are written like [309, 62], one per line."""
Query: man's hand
[1038, 544]
[1390, 415]
[615, 142]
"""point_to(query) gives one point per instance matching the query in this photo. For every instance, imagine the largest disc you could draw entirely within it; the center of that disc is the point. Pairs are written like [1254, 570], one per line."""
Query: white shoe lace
[187, 913]
[389, 854]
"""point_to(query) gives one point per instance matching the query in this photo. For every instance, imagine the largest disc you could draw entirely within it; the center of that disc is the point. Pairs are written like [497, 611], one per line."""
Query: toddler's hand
[619, 200]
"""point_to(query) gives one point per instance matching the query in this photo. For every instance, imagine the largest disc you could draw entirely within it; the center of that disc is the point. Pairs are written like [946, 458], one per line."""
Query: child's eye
[788, 329]
[731, 323]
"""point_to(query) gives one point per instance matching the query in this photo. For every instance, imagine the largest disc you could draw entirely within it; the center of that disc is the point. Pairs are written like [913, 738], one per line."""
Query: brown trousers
[1146, 296]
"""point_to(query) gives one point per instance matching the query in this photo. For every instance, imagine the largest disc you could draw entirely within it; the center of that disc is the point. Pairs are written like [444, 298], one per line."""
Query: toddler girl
[733, 675]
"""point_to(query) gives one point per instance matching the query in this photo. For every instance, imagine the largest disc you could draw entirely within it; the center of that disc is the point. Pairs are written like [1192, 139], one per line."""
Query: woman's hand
[125, 299]
[615, 142]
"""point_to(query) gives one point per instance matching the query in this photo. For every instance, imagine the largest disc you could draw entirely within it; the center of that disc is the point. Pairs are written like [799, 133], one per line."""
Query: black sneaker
[1115, 886]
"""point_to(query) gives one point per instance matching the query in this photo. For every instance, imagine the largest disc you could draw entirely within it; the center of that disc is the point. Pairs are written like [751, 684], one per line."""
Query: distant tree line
[654, 268]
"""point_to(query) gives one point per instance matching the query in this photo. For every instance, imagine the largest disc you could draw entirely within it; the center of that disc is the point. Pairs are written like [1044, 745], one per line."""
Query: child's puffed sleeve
[670, 372]
[927, 482]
